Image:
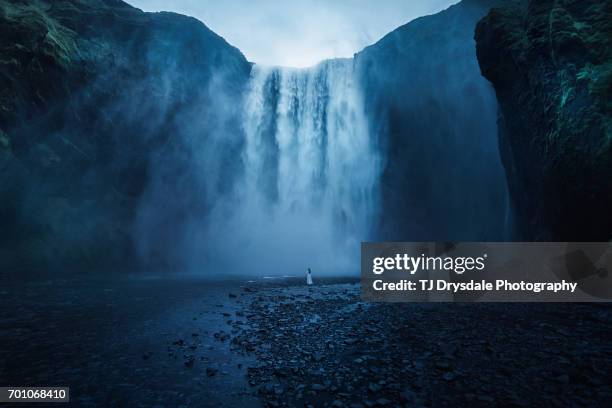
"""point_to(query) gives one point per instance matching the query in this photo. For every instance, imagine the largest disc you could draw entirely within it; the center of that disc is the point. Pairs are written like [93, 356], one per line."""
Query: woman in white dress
[309, 277]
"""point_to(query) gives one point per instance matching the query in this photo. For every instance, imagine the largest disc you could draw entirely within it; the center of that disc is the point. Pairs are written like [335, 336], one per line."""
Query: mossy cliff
[95, 96]
[551, 65]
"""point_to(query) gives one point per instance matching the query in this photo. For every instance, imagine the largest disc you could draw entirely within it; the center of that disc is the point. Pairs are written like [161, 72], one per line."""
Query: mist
[192, 160]
[309, 193]
[299, 33]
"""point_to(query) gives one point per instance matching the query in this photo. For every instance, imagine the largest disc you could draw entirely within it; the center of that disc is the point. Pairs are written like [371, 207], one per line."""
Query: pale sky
[299, 33]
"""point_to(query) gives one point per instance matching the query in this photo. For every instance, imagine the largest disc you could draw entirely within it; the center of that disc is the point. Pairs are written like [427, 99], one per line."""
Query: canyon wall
[107, 124]
[136, 140]
[434, 116]
[551, 65]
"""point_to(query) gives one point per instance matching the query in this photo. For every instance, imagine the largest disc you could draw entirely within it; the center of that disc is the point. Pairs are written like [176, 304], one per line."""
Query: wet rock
[443, 365]
[221, 336]
[449, 376]
[401, 350]
[373, 387]
[409, 396]
[485, 398]
[318, 387]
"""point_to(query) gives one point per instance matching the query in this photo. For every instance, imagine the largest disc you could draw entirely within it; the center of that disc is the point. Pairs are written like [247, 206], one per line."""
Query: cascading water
[311, 171]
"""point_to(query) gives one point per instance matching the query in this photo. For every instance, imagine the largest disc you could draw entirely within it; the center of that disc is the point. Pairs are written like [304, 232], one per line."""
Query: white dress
[308, 279]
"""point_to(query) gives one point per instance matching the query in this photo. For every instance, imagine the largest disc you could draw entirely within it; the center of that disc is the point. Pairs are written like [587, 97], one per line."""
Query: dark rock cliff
[96, 102]
[551, 65]
[435, 117]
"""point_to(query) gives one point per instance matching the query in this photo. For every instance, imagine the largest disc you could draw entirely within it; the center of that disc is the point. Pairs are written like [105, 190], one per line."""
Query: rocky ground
[325, 347]
[157, 342]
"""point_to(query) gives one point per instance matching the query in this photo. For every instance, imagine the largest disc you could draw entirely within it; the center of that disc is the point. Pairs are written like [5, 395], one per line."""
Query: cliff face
[551, 66]
[102, 105]
[435, 117]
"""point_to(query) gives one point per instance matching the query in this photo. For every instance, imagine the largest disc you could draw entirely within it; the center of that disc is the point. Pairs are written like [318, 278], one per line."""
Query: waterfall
[310, 188]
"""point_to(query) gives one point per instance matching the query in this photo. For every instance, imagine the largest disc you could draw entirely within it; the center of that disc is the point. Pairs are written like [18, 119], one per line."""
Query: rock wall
[121, 130]
[434, 117]
[102, 109]
[551, 65]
